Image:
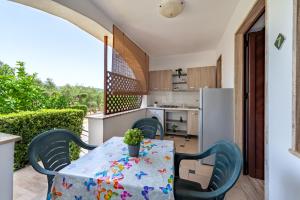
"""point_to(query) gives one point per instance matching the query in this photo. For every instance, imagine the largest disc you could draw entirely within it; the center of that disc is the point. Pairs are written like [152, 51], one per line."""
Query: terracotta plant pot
[134, 150]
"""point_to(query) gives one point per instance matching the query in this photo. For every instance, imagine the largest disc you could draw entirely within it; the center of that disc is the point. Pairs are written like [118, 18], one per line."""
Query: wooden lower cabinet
[192, 123]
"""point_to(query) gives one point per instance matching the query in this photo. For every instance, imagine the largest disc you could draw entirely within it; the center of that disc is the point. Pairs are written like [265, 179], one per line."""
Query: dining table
[108, 172]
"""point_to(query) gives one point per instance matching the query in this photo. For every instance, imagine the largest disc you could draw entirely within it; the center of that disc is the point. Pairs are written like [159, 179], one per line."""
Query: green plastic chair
[52, 148]
[226, 171]
[149, 127]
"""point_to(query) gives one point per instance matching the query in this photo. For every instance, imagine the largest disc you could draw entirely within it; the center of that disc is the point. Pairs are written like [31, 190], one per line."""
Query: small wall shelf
[183, 82]
[178, 132]
[176, 121]
[184, 74]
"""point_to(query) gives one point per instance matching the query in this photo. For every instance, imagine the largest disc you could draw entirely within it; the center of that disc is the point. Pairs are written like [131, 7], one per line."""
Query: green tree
[19, 90]
[49, 84]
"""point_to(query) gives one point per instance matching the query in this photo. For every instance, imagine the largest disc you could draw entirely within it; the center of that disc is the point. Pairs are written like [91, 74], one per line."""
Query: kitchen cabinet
[160, 80]
[192, 123]
[208, 77]
[154, 80]
[193, 78]
[166, 80]
[201, 77]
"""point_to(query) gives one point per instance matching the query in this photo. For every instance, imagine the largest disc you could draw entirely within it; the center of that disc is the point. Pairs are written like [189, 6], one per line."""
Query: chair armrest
[85, 145]
[82, 144]
[183, 156]
[161, 130]
[40, 169]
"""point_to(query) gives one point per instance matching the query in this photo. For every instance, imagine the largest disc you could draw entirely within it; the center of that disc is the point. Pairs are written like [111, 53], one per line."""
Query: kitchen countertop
[179, 108]
[102, 116]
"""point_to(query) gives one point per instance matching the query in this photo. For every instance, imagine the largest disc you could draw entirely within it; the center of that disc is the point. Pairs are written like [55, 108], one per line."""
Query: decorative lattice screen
[127, 80]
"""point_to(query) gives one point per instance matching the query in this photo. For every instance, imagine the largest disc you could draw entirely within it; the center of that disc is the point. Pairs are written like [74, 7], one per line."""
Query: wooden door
[256, 104]
[219, 73]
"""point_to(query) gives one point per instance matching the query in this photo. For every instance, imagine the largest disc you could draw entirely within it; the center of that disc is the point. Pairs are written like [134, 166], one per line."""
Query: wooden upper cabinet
[154, 80]
[166, 80]
[160, 80]
[208, 77]
[192, 79]
[198, 77]
[201, 77]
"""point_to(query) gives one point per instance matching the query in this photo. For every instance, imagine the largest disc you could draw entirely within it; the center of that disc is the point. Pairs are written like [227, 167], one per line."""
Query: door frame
[219, 67]
[239, 52]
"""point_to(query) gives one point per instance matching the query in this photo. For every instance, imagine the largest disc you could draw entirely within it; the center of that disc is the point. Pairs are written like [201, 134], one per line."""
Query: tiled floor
[30, 185]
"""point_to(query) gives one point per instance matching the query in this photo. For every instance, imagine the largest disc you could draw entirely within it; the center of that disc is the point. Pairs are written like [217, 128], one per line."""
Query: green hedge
[84, 108]
[31, 123]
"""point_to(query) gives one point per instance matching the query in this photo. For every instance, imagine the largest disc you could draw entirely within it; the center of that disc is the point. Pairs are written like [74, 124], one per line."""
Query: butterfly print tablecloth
[107, 172]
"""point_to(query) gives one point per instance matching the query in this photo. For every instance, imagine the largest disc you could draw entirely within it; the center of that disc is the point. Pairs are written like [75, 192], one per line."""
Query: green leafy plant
[174, 127]
[19, 91]
[133, 137]
[84, 108]
[31, 123]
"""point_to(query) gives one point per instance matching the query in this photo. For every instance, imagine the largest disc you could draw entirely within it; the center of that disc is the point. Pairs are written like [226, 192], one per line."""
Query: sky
[50, 46]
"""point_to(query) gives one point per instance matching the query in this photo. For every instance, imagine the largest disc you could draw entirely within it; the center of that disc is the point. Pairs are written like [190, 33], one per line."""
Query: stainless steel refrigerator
[215, 118]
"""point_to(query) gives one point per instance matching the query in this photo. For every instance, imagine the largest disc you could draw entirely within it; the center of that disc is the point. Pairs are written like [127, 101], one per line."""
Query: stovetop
[168, 106]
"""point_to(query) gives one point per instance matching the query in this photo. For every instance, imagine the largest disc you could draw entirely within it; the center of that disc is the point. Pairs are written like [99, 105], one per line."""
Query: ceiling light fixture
[171, 8]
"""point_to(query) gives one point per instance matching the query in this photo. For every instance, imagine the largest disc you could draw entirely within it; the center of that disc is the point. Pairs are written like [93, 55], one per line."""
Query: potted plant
[133, 138]
[174, 127]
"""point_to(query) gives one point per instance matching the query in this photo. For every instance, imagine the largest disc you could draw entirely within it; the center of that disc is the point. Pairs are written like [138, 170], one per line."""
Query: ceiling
[199, 27]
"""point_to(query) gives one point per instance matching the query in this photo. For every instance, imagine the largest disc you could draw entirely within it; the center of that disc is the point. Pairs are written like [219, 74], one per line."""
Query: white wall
[117, 125]
[226, 44]
[88, 9]
[284, 168]
[102, 128]
[199, 59]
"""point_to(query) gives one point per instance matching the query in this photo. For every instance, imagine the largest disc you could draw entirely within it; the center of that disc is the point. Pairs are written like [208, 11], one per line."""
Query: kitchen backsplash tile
[173, 98]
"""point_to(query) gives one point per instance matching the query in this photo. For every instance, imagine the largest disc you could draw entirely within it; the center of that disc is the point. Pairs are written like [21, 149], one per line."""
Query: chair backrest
[149, 127]
[52, 148]
[227, 168]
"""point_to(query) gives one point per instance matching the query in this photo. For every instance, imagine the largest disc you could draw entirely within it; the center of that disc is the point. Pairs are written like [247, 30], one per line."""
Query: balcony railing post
[105, 73]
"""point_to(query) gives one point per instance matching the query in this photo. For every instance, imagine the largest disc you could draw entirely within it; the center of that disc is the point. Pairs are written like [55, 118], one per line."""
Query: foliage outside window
[21, 91]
